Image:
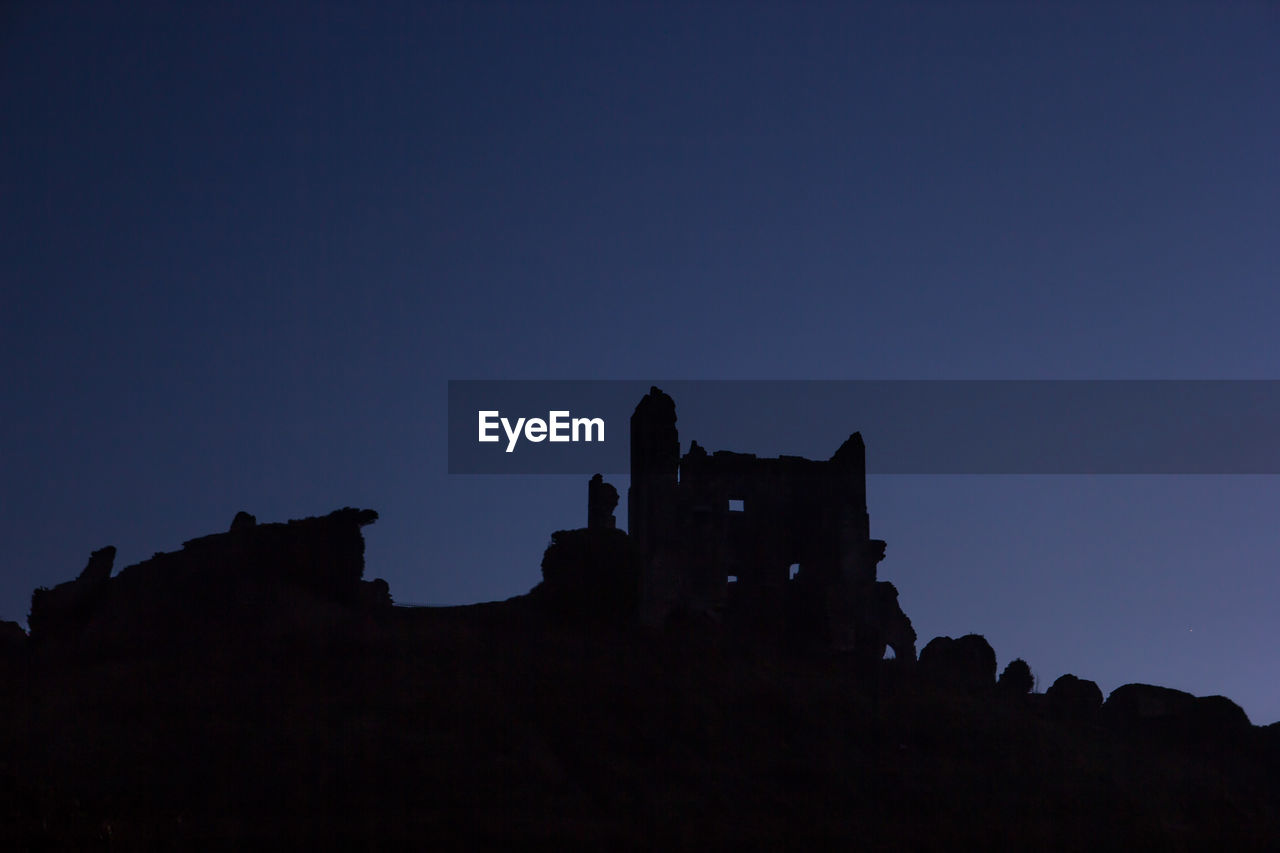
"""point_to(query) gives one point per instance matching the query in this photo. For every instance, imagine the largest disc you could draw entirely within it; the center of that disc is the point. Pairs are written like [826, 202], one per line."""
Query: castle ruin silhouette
[778, 546]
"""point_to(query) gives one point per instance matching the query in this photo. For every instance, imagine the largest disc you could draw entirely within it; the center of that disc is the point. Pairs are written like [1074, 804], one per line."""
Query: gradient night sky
[244, 250]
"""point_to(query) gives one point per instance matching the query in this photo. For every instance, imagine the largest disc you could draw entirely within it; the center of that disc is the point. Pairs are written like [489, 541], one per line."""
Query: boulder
[967, 663]
[1074, 698]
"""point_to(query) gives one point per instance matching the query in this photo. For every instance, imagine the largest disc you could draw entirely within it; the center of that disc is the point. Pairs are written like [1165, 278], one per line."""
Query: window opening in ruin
[737, 505]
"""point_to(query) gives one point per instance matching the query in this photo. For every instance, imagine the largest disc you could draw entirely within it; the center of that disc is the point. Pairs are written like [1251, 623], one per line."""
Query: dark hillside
[288, 711]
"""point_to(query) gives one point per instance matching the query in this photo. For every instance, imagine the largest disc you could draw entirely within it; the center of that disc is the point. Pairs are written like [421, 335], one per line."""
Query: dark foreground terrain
[492, 725]
[275, 711]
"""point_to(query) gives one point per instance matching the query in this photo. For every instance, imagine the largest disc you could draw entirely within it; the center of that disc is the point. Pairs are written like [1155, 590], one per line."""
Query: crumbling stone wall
[213, 579]
[701, 519]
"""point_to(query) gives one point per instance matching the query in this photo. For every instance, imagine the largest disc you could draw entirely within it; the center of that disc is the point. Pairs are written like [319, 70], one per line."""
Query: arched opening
[793, 571]
[889, 653]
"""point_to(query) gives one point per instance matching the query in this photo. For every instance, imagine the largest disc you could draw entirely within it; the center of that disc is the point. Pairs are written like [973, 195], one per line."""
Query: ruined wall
[701, 519]
[760, 516]
[240, 578]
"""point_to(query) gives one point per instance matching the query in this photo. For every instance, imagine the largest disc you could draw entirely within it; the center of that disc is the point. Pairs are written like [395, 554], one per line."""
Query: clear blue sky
[242, 251]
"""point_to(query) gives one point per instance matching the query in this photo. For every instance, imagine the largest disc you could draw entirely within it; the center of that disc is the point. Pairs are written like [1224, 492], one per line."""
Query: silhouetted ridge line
[252, 685]
[251, 577]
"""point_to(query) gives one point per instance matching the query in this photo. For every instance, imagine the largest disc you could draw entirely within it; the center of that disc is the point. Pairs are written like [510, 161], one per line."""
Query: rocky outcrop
[967, 663]
[881, 624]
[1146, 709]
[590, 575]
[67, 607]
[1146, 704]
[1073, 698]
[1218, 717]
[233, 582]
[375, 594]
[243, 521]
[602, 499]
[1016, 680]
